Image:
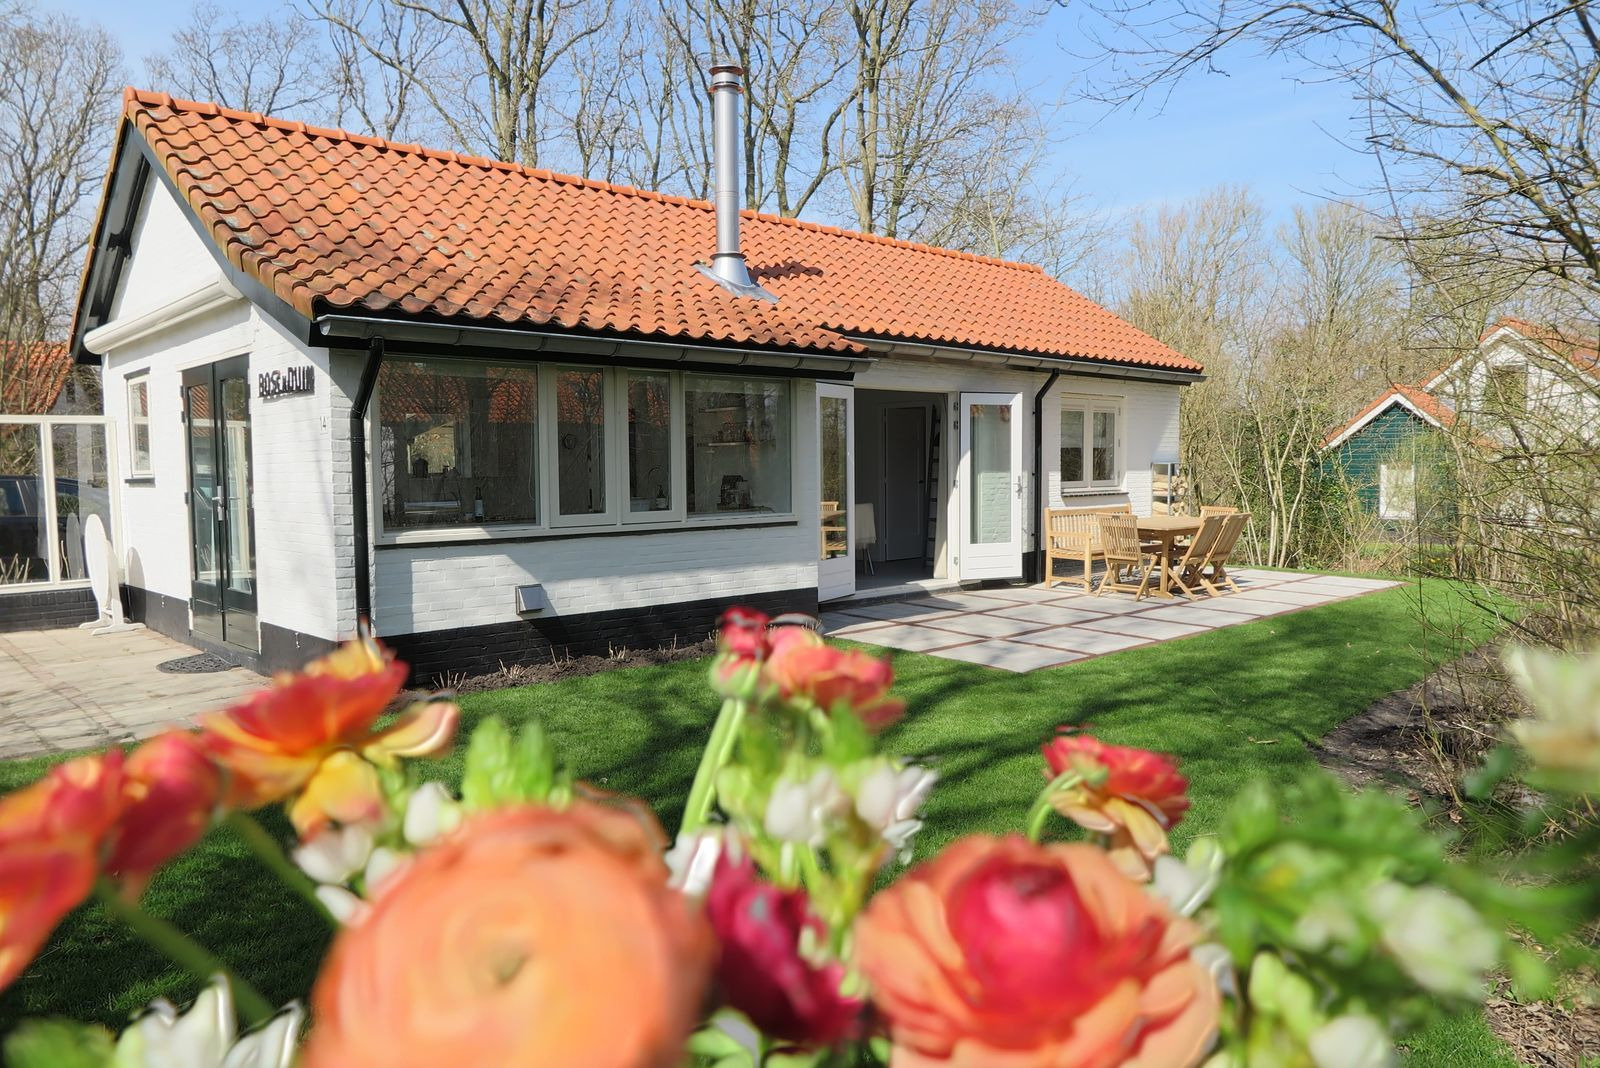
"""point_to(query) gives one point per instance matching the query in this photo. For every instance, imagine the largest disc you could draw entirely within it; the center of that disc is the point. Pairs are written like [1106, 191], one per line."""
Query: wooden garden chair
[1186, 569]
[1217, 559]
[1119, 544]
[1208, 510]
[1074, 534]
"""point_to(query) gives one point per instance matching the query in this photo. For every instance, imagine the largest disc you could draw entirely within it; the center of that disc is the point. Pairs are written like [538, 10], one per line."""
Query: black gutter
[1035, 569]
[358, 478]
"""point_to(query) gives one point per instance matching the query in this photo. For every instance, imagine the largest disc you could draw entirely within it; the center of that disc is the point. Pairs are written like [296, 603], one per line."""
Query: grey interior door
[216, 410]
[902, 530]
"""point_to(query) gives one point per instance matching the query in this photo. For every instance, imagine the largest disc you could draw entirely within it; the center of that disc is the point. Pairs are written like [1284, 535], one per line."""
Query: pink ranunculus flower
[763, 967]
[805, 668]
[1132, 796]
[170, 792]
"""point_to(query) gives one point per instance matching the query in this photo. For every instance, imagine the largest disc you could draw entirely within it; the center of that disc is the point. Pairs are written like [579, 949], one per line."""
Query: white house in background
[500, 411]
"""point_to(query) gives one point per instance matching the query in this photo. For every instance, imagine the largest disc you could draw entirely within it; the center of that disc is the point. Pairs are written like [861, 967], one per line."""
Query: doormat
[199, 664]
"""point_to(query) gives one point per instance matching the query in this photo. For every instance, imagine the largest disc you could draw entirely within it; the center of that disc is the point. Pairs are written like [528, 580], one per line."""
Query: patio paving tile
[1011, 656]
[1150, 628]
[1288, 597]
[915, 639]
[958, 602]
[1203, 616]
[1110, 604]
[1076, 639]
[896, 610]
[1053, 614]
[842, 623]
[986, 626]
[1229, 604]
[1024, 594]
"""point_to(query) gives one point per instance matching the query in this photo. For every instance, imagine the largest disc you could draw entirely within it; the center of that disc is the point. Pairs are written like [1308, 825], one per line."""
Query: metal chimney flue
[728, 267]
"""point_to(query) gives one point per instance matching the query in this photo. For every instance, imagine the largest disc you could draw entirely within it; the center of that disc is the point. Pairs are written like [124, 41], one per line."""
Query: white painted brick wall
[294, 482]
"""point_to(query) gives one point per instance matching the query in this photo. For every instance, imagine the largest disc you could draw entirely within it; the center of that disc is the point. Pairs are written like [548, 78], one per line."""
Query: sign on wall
[283, 383]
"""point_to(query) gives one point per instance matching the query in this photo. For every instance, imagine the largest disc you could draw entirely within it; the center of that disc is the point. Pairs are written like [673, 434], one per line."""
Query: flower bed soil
[1421, 742]
[572, 667]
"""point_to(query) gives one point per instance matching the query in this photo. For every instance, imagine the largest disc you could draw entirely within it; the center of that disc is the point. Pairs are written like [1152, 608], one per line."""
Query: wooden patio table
[1165, 530]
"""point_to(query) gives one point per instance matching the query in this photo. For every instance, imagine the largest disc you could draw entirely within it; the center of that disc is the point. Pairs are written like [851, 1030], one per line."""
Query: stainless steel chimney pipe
[727, 138]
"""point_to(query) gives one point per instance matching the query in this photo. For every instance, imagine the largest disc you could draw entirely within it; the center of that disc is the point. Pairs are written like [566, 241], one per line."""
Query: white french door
[989, 486]
[836, 451]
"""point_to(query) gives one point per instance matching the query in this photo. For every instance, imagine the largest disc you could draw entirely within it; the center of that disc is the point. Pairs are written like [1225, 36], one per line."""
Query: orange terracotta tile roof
[32, 376]
[334, 222]
[1430, 407]
[1581, 352]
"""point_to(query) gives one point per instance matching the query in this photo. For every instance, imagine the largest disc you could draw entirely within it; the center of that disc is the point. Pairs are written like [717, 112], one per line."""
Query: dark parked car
[22, 534]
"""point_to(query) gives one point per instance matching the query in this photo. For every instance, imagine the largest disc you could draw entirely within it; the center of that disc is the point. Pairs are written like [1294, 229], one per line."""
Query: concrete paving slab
[984, 626]
[915, 639]
[1079, 640]
[1011, 656]
[1148, 627]
[1051, 614]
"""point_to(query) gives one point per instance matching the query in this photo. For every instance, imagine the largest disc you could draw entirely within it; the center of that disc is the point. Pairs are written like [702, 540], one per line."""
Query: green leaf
[1497, 765]
[502, 770]
[58, 1044]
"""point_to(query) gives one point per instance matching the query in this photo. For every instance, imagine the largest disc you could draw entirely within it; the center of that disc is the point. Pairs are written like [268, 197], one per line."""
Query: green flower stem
[182, 950]
[1040, 812]
[267, 850]
[719, 747]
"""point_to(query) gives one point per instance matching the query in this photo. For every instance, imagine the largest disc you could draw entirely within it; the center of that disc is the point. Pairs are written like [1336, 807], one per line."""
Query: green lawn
[1233, 705]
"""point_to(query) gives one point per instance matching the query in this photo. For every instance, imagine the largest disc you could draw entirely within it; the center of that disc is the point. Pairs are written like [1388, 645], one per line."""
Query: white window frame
[140, 379]
[618, 517]
[676, 465]
[1388, 509]
[1089, 406]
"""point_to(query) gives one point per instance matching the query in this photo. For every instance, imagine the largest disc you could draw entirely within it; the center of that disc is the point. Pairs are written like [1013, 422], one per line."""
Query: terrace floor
[1024, 628]
[68, 689]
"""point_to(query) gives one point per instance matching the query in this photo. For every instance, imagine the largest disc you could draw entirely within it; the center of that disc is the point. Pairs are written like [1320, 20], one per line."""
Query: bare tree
[57, 83]
[1481, 113]
[921, 111]
[275, 64]
[380, 53]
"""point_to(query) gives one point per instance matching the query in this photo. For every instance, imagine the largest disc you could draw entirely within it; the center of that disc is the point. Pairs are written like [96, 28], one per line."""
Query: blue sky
[1256, 125]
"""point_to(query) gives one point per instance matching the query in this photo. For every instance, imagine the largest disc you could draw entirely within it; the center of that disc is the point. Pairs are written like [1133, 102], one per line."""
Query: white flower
[1437, 938]
[800, 812]
[1563, 734]
[203, 1037]
[342, 905]
[889, 799]
[430, 813]
[334, 854]
[1186, 884]
[692, 860]
[1352, 1041]
[383, 863]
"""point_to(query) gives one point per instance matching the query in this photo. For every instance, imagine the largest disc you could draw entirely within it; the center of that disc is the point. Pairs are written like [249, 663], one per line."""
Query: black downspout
[1035, 569]
[358, 479]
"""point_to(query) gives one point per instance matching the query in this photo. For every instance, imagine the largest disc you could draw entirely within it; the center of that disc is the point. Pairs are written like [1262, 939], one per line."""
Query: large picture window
[1091, 435]
[473, 445]
[738, 445]
[457, 444]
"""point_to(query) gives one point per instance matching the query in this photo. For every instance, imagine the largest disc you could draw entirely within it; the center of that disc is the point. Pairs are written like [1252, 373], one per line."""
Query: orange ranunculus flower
[1002, 952]
[1132, 796]
[170, 791]
[528, 936]
[804, 667]
[279, 741]
[50, 839]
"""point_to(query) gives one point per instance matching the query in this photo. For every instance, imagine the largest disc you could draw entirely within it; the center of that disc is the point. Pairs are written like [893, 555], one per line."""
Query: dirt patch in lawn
[1421, 743]
[1423, 740]
[572, 667]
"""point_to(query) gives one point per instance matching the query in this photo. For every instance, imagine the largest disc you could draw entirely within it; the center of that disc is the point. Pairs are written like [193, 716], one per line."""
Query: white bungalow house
[498, 410]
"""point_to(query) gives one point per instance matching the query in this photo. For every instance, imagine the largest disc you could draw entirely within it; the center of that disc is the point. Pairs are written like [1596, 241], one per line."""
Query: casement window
[1397, 491]
[738, 445]
[139, 465]
[1091, 443]
[471, 445]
